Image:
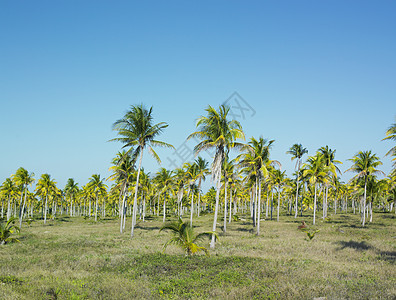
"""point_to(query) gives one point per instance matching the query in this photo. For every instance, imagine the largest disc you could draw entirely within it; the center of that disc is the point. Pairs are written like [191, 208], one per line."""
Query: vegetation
[6, 230]
[69, 248]
[185, 238]
[81, 259]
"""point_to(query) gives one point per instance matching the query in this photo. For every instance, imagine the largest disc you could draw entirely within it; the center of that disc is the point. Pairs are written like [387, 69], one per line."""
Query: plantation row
[251, 183]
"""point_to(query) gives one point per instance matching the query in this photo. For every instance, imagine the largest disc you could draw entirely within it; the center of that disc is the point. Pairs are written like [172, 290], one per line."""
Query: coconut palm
[216, 131]
[391, 135]
[185, 238]
[317, 172]
[256, 162]
[8, 190]
[71, 190]
[278, 179]
[297, 151]
[202, 171]
[191, 177]
[331, 163]
[46, 188]
[138, 132]
[6, 230]
[98, 188]
[364, 164]
[164, 179]
[123, 171]
[23, 179]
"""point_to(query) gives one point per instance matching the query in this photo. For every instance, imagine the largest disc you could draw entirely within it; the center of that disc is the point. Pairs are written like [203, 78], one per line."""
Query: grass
[73, 258]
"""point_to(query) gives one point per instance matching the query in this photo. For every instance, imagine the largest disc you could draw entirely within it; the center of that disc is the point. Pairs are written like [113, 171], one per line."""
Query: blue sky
[315, 72]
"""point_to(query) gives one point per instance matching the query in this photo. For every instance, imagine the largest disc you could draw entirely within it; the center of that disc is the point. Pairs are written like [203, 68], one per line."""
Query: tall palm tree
[164, 179]
[46, 188]
[279, 178]
[216, 131]
[8, 190]
[297, 151]
[123, 171]
[331, 163]
[23, 179]
[317, 172]
[98, 188]
[202, 171]
[71, 190]
[391, 135]
[191, 176]
[256, 162]
[138, 132]
[364, 164]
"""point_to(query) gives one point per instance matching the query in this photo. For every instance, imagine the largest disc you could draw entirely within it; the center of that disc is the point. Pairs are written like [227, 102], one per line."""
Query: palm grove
[251, 185]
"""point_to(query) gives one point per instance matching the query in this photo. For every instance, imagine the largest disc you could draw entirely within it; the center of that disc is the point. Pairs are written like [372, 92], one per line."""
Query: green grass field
[73, 258]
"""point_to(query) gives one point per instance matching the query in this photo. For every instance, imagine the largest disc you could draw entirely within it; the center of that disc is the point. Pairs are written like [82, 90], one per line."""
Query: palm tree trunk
[314, 213]
[121, 212]
[45, 209]
[364, 201]
[277, 216]
[199, 195]
[298, 173]
[22, 210]
[96, 208]
[259, 208]
[225, 205]
[230, 207]
[212, 242]
[9, 208]
[272, 203]
[164, 209]
[192, 208]
[136, 191]
[267, 206]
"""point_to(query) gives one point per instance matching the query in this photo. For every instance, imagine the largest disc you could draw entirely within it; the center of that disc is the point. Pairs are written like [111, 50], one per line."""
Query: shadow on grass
[152, 228]
[359, 246]
[389, 256]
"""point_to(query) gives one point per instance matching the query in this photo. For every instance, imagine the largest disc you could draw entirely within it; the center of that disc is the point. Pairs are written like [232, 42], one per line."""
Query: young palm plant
[6, 230]
[185, 238]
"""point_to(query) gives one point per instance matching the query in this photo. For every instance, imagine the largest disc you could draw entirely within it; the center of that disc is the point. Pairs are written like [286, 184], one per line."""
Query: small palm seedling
[310, 233]
[185, 238]
[6, 230]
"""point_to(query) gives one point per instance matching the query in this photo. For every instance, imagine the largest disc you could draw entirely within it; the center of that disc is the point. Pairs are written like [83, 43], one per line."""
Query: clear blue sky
[315, 72]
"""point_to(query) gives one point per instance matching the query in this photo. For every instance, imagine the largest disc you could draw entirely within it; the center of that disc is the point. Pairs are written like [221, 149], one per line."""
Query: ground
[76, 258]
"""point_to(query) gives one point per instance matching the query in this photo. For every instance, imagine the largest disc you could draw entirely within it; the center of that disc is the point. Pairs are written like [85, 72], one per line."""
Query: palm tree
[217, 132]
[98, 188]
[137, 132]
[23, 179]
[46, 187]
[71, 190]
[316, 171]
[185, 238]
[365, 164]
[278, 179]
[8, 190]
[123, 171]
[256, 162]
[191, 176]
[331, 163]
[164, 179]
[202, 171]
[391, 135]
[297, 151]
